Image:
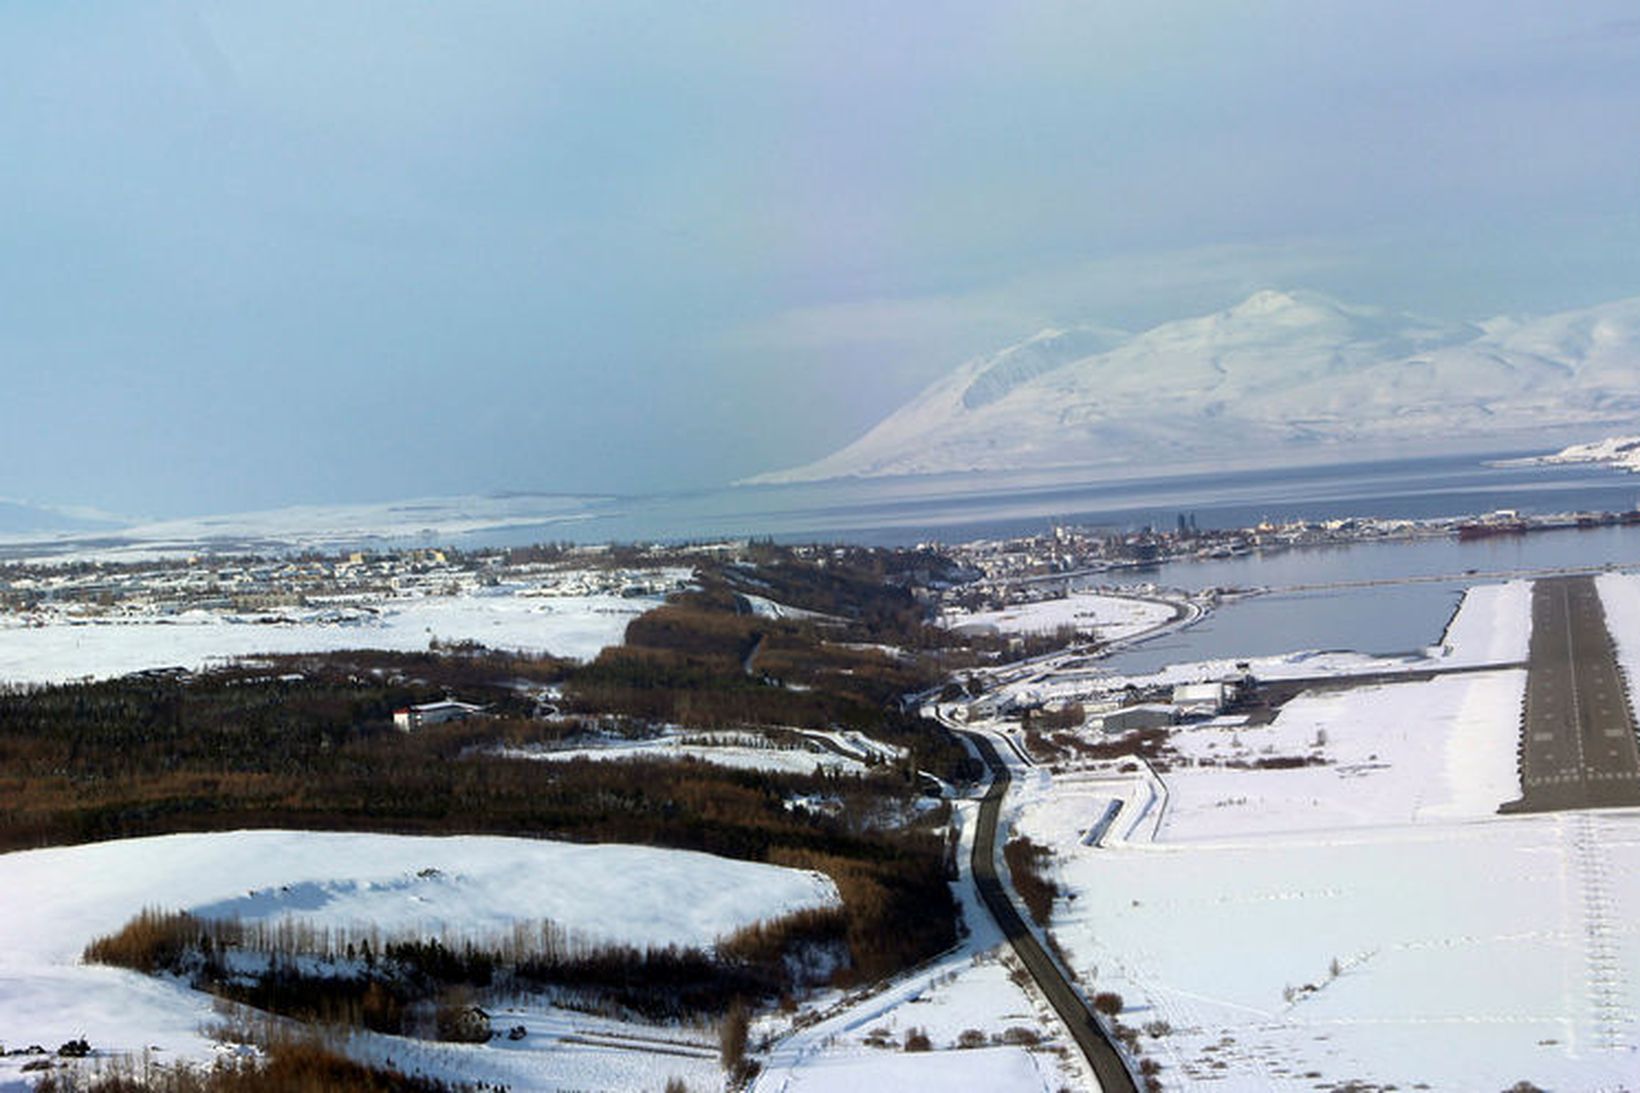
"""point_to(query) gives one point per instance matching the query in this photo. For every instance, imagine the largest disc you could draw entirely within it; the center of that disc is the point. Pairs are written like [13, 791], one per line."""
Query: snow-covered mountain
[1280, 374]
[1621, 452]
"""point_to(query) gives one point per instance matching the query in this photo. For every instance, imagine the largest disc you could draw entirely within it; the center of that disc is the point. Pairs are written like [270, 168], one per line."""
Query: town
[40, 592]
[1069, 551]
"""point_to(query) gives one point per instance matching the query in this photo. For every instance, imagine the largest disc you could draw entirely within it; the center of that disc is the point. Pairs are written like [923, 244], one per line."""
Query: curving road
[1090, 1037]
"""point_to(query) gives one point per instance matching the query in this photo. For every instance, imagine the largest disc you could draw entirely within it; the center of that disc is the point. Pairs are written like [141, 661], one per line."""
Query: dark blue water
[960, 508]
[1388, 620]
[1381, 619]
[1378, 618]
[1382, 561]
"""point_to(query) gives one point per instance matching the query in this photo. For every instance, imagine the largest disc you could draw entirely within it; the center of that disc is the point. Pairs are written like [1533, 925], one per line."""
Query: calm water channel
[1296, 615]
[1376, 618]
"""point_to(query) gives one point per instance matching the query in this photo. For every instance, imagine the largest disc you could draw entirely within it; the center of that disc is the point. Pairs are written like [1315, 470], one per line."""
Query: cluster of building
[49, 591]
[1122, 712]
[1068, 550]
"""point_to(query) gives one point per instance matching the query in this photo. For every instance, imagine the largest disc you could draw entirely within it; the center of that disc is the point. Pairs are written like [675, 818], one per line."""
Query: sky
[269, 254]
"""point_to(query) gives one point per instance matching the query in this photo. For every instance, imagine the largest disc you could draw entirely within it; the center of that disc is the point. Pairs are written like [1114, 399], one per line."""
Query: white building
[1151, 715]
[433, 713]
[1204, 698]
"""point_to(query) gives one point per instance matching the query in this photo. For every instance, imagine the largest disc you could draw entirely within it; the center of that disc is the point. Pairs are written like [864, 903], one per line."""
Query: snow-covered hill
[1280, 373]
[465, 887]
[1621, 452]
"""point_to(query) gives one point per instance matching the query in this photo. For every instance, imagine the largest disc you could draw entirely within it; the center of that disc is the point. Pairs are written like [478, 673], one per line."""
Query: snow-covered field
[1620, 598]
[1401, 752]
[57, 900]
[859, 1044]
[570, 626]
[1109, 618]
[945, 1071]
[1370, 919]
[744, 751]
[1470, 955]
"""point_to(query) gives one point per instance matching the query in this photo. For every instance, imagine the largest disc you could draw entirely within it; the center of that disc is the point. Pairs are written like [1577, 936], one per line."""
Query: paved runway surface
[1578, 746]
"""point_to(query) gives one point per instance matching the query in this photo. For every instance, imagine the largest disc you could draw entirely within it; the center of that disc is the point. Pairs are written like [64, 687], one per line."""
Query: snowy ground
[1371, 919]
[945, 1070]
[1620, 598]
[1399, 752]
[570, 626]
[57, 900]
[858, 1043]
[1109, 618]
[790, 751]
[741, 750]
[765, 608]
[1470, 955]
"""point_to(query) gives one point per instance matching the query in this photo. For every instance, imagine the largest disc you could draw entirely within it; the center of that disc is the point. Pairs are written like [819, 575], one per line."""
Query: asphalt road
[1578, 747]
[1090, 1038]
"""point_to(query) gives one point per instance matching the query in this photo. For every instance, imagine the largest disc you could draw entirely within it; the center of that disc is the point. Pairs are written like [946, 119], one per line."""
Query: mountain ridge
[1293, 371]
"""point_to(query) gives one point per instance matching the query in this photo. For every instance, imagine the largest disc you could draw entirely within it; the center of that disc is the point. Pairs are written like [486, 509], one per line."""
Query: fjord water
[1375, 597]
[961, 508]
[1385, 620]
[1319, 598]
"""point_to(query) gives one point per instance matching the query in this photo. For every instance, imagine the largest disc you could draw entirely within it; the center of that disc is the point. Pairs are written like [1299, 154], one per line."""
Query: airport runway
[1578, 747]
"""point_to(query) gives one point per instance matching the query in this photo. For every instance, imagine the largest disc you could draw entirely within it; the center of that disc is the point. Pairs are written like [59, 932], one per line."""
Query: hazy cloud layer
[259, 254]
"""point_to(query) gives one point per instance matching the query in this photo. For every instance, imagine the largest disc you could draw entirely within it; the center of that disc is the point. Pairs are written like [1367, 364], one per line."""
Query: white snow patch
[980, 1070]
[1110, 618]
[1620, 599]
[568, 626]
[1493, 625]
[742, 751]
[1401, 752]
[1472, 955]
[57, 900]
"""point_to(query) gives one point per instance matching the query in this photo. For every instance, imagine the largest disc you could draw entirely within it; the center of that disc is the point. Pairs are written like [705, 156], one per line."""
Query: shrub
[917, 1040]
[1027, 863]
[971, 1038]
[289, 1066]
[154, 941]
[1108, 1003]
[460, 1022]
[733, 1035]
[380, 1010]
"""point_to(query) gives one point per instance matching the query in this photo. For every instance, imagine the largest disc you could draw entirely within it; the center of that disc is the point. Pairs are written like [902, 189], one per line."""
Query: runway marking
[1574, 690]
